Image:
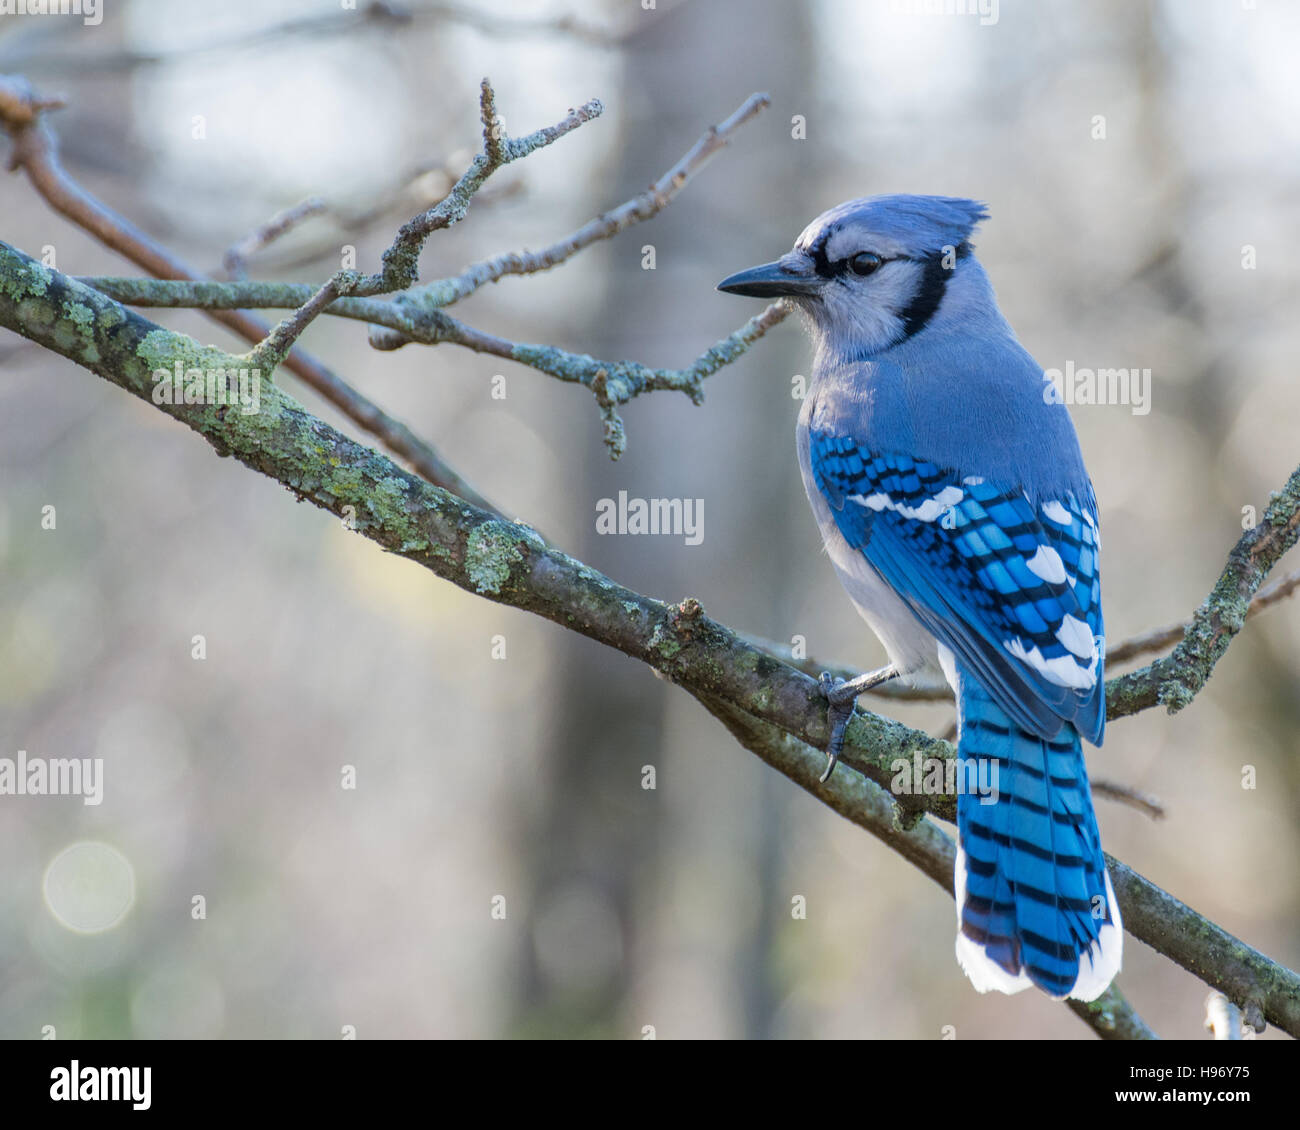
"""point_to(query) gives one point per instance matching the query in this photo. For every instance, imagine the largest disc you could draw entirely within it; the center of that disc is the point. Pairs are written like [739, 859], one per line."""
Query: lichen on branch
[512, 564]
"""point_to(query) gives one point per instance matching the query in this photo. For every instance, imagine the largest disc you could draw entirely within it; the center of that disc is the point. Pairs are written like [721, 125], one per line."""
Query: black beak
[771, 280]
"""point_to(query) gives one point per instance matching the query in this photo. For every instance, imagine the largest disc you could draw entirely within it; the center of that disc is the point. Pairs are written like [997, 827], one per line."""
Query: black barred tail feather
[1034, 902]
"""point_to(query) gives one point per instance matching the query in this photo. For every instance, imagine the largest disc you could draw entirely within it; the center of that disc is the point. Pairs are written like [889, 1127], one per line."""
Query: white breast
[910, 647]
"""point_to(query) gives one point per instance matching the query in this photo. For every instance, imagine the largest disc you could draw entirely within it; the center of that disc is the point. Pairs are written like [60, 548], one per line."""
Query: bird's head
[872, 272]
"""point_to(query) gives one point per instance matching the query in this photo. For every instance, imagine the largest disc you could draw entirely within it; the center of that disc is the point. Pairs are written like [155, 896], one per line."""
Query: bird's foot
[842, 696]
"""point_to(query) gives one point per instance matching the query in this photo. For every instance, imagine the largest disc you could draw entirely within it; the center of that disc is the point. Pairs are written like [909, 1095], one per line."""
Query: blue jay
[952, 497]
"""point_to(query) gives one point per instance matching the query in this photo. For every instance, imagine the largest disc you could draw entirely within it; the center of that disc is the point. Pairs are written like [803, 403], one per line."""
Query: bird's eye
[864, 262]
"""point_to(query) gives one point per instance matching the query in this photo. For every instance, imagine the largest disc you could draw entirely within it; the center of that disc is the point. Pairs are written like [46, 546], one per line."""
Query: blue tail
[1034, 902]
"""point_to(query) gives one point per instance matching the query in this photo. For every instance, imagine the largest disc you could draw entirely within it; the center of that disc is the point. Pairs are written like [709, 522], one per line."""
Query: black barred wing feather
[1013, 589]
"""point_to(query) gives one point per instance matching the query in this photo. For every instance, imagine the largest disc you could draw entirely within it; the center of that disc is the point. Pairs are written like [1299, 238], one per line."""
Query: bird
[946, 477]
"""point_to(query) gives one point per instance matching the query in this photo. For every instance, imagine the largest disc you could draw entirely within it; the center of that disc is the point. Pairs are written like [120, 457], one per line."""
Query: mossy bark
[772, 708]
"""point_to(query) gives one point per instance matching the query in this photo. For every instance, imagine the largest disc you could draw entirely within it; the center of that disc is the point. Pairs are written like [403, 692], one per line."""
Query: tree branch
[444, 292]
[235, 260]
[1175, 680]
[920, 842]
[1127, 794]
[271, 351]
[415, 315]
[509, 563]
[378, 15]
[401, 262]
[1142, 644]
[1160, 638]
[35, 151]
[612, 382]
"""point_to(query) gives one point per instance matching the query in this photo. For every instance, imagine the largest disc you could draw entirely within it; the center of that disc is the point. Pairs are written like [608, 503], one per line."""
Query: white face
[870, 273]
[872, 294]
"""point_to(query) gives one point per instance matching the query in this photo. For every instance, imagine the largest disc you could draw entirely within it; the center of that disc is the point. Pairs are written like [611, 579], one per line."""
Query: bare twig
[444, 292]
[271, 351]
[612, 382]
[236, 257]
[377, 15]
[1174, 680]
[511, 564]
[21, 107]
[1271, 594]
[1160, 638]
[421, 186]
[394, 324]
[494, 134]
[401, 261]
[1127, 794]
[1146, 643]
[416, 315]
[35, 151]
[1157, 639]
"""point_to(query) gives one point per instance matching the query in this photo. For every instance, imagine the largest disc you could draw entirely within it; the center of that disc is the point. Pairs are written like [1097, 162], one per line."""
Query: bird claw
[842, 697]
[839, 710]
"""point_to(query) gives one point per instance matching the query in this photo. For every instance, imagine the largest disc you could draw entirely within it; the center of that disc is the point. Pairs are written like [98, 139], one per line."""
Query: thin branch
[612, 382]
[416, 315]
[509, 563]
[235, 260]
[416, 190]
[402, 260]
[494, 135]
[422, 185]
[444, 292]
[1112, 1017]
[35, 151]
[1147, 643]
[1175, 680]
[271, 352]
[920, 842]
[1160, 638]
[377, 15]
[1127, 794]
[619, 381]
[1157, 639]
[1271, 594]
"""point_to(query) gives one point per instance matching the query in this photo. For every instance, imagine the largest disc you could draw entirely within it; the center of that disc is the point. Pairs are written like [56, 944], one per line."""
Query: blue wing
[1011, 589]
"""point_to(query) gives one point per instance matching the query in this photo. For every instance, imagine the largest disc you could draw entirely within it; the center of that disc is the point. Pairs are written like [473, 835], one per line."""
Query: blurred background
[1130, 154]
